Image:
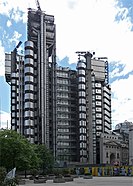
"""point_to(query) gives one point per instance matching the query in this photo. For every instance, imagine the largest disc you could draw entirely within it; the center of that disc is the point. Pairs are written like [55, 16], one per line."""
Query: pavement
[96, 181]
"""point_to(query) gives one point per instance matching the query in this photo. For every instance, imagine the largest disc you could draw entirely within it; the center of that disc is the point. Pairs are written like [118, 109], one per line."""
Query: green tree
[46, 158]
[16, 151]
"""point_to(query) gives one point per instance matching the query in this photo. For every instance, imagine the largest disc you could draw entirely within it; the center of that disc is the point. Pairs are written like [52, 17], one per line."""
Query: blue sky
[103, 26]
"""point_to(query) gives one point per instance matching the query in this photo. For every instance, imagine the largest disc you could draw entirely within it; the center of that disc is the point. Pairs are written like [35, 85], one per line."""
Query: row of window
[82, 101]
[62, 115]
[29, 96]
[29, 105]
[82, 138]
[62, 109]
[81, 86]
[63, 130]
[29, 78]
[107, 155]
[83, 153]
[29, 61]
[82, 93]
[82, 123]
[62, 74]
[81, 64]
[81, 72]
[82, 130]
[62, 123]
[82, 145]
[62, 94]
[82, 115]
[82, 108]
[61, 143]
[107, 101]
[29, 69]
[29, 52]
[59, 87]
[81, 79]
[29, 131]
[62, 81]
[62, 137]
[64, 102]
[29, 113]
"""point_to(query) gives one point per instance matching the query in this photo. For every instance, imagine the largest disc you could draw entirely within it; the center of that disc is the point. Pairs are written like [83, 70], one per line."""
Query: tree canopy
[45, 156]
[16, 151]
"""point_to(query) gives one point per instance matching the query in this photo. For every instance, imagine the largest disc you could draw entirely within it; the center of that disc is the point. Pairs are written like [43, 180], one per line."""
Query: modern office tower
[67, 115]
[67, 110]
[14, 68]
[33, 102]
[41, 55]
[94, 105]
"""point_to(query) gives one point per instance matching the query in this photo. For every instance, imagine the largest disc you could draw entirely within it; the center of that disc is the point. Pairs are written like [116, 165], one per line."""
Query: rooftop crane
[38, 5]
[18, 45]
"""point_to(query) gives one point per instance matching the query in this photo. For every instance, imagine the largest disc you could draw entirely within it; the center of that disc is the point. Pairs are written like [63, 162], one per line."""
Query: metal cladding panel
[7, 70]
[49, 18]
[29, 61]
[99, 76]
[29, 43]
[98, 69]
[98, 63]
[50, 28]
[28, 52]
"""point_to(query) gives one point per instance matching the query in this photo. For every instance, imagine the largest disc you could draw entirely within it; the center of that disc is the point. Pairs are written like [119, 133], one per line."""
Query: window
[29, 78]
[82, 93]
[82, 108]
[82, 123]
[82, 72]
[98, 115]
[98, 84]
[81, 86]
[82, 115]
[83, 101]
[107, 155]
[98, 109]
[63, 130]
[98, 97]
[98, 103]
[81, 79]
[98, 91]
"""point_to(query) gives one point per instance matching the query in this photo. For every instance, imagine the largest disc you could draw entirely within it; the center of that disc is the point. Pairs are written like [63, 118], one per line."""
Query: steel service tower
[32, 79]
[40, 61]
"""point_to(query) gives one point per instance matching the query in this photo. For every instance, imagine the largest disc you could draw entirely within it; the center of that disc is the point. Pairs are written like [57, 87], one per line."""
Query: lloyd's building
[67, 110]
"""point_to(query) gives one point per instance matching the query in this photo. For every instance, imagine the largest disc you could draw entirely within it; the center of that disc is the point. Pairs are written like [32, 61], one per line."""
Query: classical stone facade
[113, 150]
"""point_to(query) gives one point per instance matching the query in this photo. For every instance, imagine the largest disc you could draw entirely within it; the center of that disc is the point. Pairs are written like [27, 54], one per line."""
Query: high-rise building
[66, 115]
[67, 110]
[30, 79]
[94, 105]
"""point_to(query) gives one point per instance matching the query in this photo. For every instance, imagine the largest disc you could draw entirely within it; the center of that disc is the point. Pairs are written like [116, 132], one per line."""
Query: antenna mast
[38, 5]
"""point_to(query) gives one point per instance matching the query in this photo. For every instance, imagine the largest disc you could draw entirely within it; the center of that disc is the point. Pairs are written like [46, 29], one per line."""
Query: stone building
[113, 150]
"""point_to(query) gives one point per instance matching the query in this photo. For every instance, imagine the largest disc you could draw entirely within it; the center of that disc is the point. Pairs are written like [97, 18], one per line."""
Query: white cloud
[6, 6]
[122, 102]
[15, 37]
[9, 23]
[5, 119]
